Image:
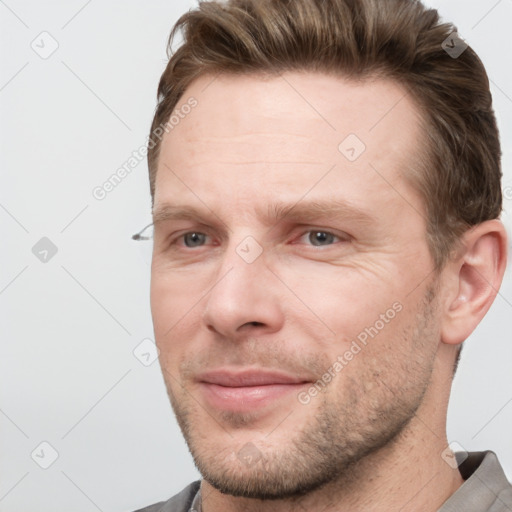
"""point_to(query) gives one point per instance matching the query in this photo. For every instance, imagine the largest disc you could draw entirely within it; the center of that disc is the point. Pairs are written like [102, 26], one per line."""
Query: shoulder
[179, 503]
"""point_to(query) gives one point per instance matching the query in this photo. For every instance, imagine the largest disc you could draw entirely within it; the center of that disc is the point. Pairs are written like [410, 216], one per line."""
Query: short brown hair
[460, 171]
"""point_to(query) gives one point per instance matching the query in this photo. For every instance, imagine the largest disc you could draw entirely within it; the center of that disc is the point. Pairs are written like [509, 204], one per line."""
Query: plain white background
[70, 325]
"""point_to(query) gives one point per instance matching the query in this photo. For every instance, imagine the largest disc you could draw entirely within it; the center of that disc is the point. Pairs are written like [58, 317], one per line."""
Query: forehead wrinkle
[203, 164]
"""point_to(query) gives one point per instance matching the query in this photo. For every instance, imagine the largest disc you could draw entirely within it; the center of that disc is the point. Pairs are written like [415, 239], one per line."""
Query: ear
[474, 278]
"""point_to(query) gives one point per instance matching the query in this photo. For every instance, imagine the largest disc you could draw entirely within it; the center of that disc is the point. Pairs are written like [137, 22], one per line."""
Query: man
[326, 194]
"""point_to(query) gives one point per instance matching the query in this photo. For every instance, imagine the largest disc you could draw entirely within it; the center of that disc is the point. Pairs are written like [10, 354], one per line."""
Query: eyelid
[171, 235]
[341, 236]
[174, 238]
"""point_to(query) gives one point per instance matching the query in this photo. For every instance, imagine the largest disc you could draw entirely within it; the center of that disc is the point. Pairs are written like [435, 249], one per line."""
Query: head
[326, 209]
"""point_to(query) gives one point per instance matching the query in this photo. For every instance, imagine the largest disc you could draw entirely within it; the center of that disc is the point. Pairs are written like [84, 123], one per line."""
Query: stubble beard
[370, 413]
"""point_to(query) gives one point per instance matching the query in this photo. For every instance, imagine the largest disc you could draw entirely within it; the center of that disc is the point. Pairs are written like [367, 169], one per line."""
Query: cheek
[349, 301]
[159, 306]
[172, 296]
[172, 309]
[384, 359]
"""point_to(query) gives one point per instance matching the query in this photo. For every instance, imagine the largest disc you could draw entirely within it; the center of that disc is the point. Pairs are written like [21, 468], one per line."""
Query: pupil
[194, 238]
[320, 236]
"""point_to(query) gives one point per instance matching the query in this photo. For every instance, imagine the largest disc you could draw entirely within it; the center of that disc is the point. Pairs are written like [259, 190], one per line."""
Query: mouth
[248, 390]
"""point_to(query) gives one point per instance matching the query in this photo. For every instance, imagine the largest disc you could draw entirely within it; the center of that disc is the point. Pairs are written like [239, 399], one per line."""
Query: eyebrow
[307, 211]
[302, 211]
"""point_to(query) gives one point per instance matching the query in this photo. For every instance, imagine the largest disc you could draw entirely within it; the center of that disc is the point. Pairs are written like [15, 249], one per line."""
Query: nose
[246, 297]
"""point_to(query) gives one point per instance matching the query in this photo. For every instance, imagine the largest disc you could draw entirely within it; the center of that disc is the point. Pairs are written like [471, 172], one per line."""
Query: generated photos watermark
[100, 192]
[356, 346]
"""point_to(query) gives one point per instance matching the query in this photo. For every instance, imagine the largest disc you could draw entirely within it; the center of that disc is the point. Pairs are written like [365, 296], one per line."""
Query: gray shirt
[486, 489]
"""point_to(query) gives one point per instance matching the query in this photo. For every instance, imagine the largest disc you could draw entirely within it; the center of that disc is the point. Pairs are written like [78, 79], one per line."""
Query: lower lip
[246, 398]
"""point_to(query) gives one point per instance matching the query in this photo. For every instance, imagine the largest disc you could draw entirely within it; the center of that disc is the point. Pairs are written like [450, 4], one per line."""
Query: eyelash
[339, 237]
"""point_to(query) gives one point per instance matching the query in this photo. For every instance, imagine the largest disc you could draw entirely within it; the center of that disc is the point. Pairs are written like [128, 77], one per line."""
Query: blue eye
[316, 238]
[196, 239]
[321, 238]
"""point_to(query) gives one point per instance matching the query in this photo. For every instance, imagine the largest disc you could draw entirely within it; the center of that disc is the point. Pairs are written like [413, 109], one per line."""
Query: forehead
[247, 126]
[328, 105]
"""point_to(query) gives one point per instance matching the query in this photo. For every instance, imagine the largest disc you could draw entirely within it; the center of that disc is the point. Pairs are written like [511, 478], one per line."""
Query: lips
[248, 390]
[248, 378]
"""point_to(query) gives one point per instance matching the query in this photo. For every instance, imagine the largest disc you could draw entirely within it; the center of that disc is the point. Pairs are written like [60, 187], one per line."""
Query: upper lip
[231, 378]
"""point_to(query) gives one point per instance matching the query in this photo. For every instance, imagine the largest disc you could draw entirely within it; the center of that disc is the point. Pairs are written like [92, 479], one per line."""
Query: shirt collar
[484, 482]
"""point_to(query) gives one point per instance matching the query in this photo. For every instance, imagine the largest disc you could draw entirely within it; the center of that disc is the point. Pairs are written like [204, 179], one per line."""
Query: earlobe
[477, 274]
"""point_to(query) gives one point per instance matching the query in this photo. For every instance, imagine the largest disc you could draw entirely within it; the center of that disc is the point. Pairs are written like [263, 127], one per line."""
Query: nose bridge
[243, 260]
[243, 292]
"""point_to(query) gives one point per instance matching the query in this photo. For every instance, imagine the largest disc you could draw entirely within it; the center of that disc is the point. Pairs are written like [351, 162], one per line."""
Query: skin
[372, 438]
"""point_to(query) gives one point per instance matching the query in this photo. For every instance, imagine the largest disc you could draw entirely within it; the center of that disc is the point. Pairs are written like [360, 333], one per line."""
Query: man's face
[291, 346]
